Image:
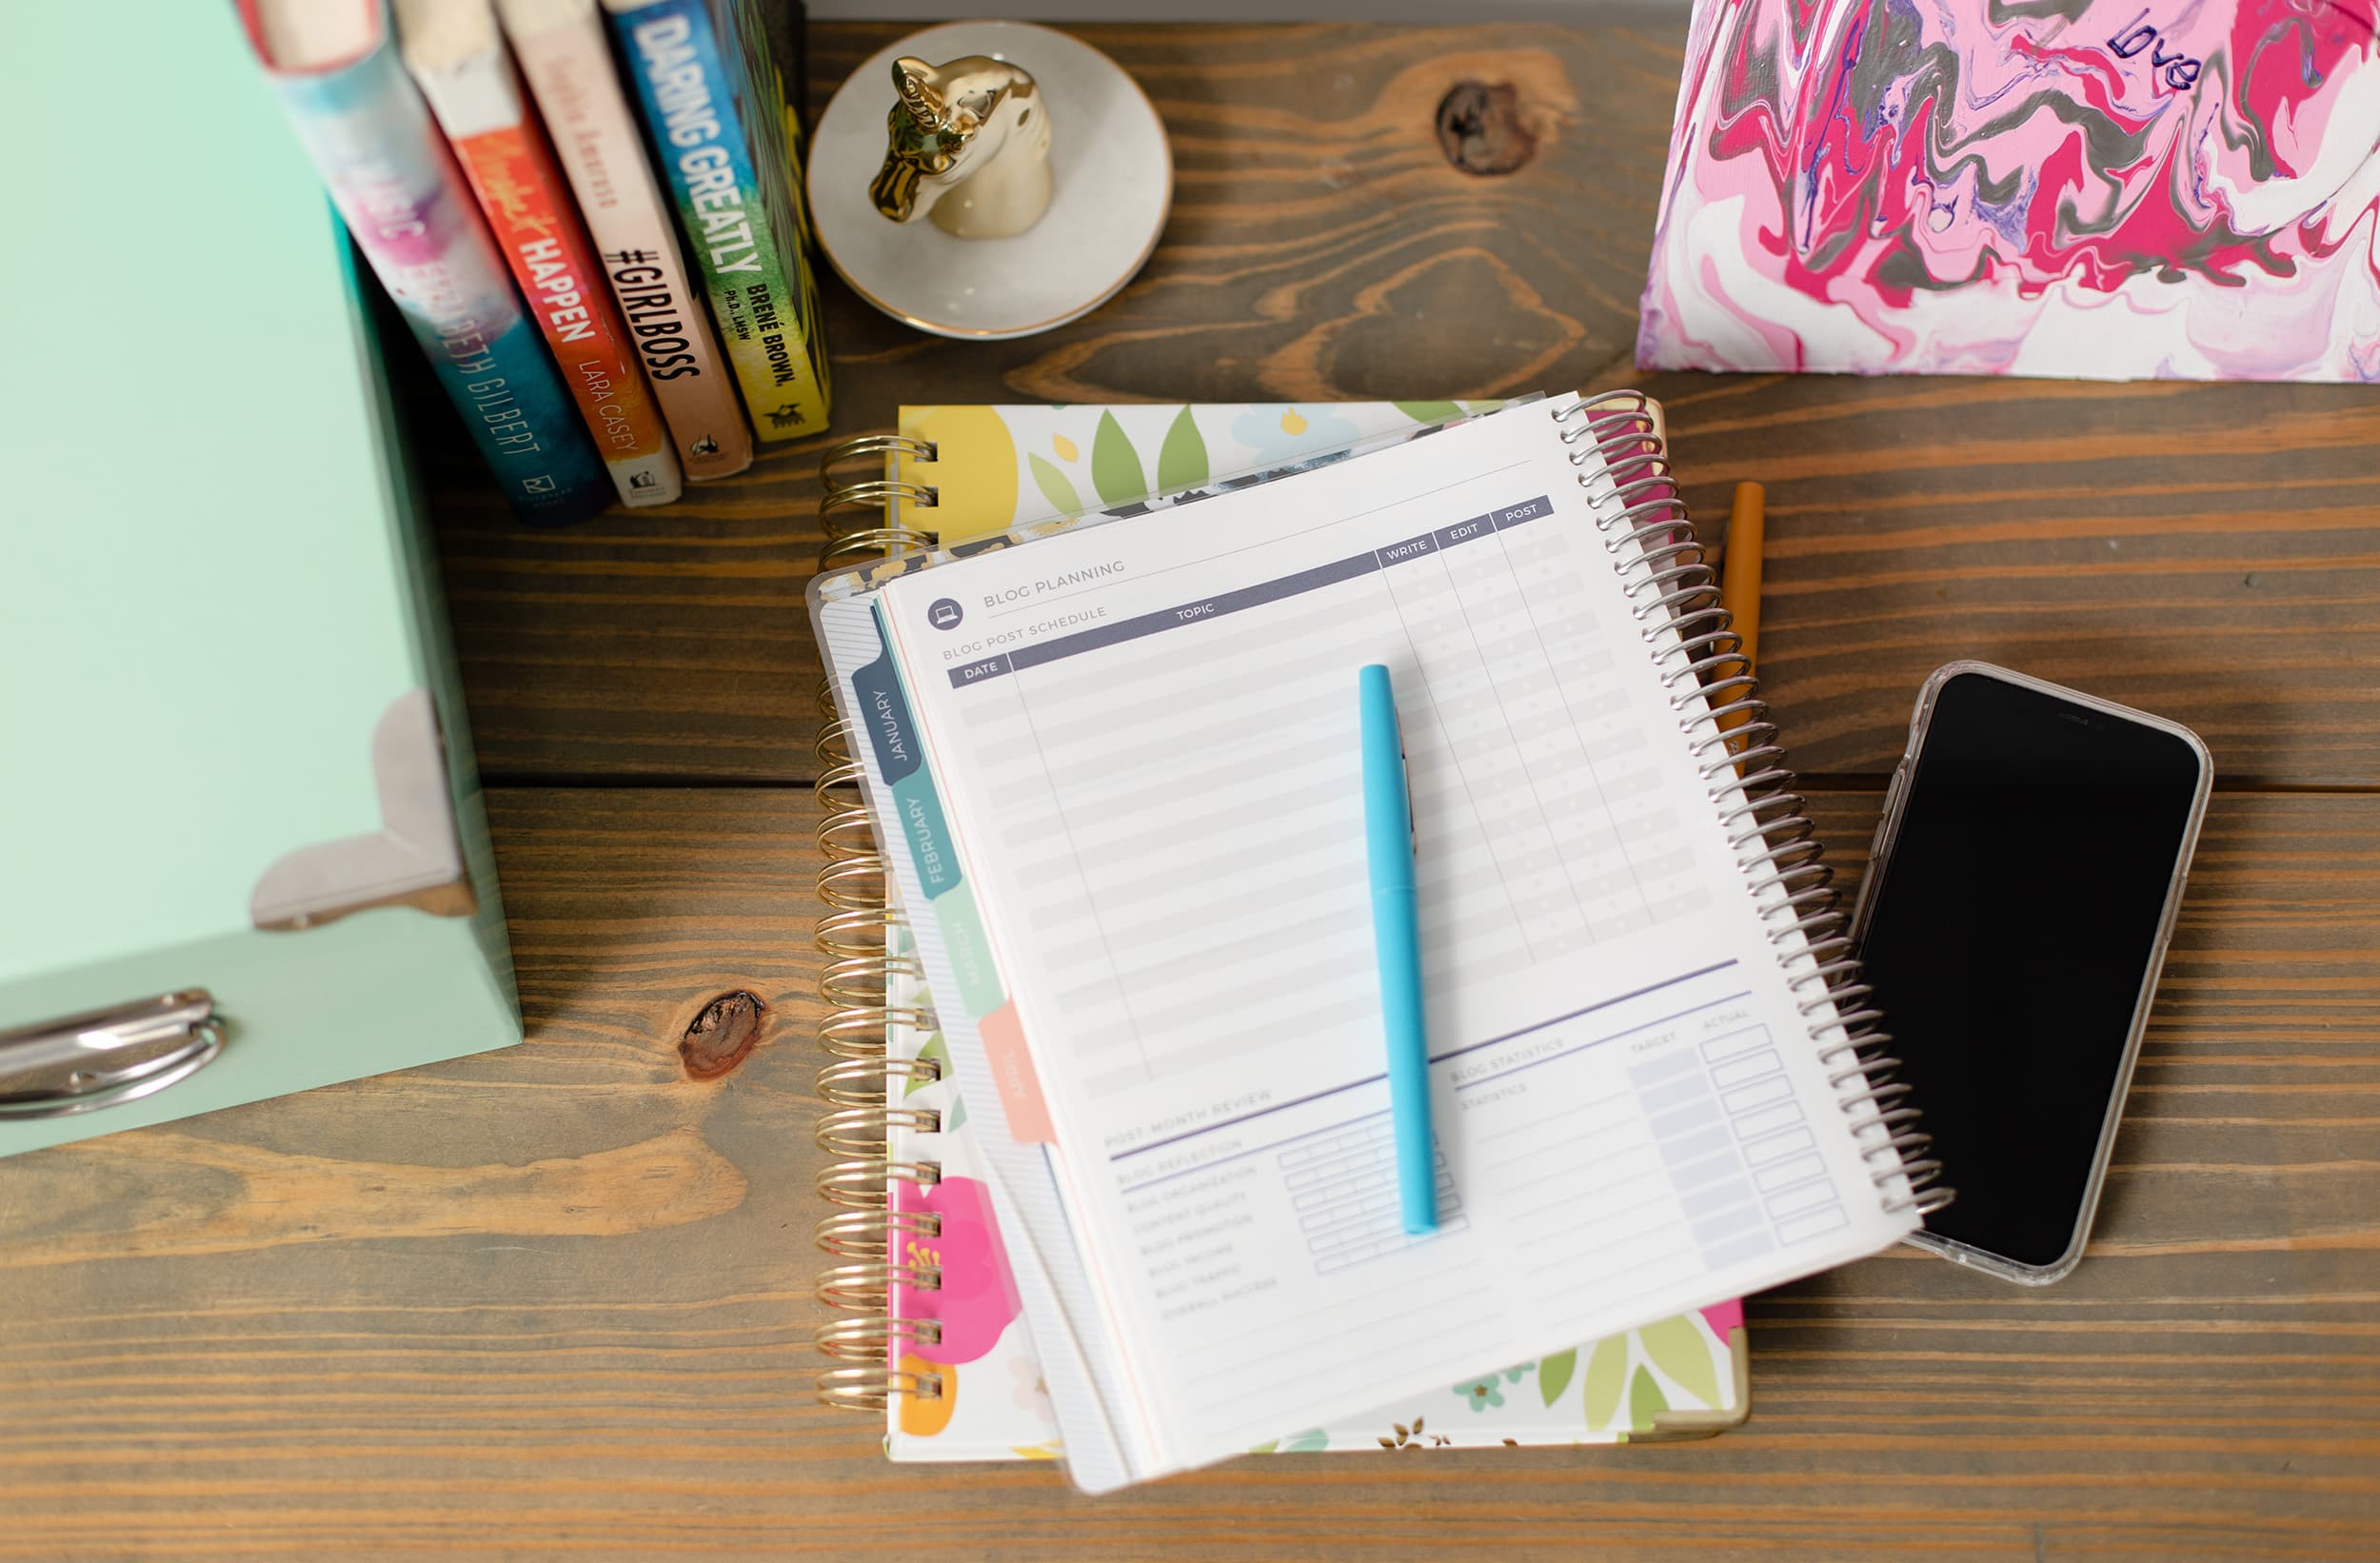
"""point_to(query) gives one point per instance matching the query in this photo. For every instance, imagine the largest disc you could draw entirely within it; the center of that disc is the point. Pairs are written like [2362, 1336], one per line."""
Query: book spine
[520, 191]
[561, 51]
[737, 217]
[397, 188]
[785, 25]
[773, 38]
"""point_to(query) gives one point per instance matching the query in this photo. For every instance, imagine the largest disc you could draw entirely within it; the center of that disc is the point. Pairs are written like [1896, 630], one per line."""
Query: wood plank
[2207, 552]
[555, 1299]
[2204, 550]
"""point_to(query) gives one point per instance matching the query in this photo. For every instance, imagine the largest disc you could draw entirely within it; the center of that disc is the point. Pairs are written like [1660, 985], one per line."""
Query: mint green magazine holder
[232, 748]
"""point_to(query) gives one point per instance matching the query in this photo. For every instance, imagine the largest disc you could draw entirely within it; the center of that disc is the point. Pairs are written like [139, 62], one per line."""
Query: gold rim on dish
[1165, 211]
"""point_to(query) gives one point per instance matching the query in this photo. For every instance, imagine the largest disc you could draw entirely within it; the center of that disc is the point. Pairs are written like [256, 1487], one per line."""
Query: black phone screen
[2008, 939]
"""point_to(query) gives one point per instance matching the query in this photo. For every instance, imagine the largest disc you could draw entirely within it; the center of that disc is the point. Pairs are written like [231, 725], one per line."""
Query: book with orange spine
[561, 51]
[457, 57]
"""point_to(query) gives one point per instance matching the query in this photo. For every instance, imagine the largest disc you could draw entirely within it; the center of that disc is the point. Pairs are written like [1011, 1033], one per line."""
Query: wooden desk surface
[554, 1302]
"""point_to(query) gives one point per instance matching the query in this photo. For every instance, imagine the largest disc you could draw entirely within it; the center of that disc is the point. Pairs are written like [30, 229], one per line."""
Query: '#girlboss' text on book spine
[560, 47]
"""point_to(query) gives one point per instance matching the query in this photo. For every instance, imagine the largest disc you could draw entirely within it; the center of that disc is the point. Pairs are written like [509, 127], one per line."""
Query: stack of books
[590, 216]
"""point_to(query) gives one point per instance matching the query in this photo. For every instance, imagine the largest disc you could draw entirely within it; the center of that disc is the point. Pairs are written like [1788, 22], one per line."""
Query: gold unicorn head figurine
[969, 146]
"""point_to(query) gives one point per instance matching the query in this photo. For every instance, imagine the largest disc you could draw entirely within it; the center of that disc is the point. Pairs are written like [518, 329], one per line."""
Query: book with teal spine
[396, 185]
[710, 94]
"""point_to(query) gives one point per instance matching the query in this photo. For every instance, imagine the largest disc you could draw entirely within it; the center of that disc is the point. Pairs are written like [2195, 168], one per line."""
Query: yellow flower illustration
[975, 469]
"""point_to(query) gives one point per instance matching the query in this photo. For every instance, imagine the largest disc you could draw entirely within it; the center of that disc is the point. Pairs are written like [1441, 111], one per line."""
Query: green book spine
[773, 37]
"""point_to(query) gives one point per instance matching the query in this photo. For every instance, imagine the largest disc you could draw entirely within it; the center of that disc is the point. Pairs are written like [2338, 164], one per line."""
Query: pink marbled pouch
[2099, 188]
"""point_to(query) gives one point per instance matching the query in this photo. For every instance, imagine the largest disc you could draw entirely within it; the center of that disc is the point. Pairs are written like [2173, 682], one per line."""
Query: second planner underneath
[1116, 770]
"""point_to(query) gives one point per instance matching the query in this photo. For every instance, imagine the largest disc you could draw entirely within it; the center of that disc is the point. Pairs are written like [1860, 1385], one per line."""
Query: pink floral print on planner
[977, 1297]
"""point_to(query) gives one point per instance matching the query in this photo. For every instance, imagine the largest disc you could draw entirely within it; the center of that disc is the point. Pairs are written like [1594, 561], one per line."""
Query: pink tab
[974, 1297]
[1012, 1073]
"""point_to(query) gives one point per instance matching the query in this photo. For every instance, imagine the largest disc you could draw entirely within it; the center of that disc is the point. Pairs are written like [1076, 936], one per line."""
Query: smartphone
[2013, 919]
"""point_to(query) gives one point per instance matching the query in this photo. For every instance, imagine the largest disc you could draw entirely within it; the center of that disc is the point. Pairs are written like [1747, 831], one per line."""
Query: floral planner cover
[1000, 467]
[2098, 188]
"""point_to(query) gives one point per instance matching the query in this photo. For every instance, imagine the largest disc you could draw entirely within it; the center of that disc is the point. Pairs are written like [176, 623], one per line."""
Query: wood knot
[1480, 130]
[722, 1036]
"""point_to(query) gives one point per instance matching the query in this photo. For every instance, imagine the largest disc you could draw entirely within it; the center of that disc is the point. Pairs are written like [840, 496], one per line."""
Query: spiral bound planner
[1107, 768]
[975, 467]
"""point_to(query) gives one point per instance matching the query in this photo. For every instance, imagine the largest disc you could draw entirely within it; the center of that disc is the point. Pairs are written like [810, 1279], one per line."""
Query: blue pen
[1396, 945]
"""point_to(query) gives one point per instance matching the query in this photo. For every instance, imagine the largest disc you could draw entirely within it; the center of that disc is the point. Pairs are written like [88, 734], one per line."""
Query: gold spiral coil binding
[859, 1031]
[862, 1342]
[872, 1389]
[867, 544]
[848, 935]
[863, 1184]
[1674, 594]
[853, 885]
[874, 444]
[861, 1233]
[872, 495]
[856, 1130]
[860, 1337]
[870, 500]
[845, 833]
[866, 1286]
[860, 984]
[864, 1080]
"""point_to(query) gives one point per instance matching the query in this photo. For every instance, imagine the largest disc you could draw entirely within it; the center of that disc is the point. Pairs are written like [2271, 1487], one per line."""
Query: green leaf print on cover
[1607, 1378]
[940, 1054]
[1554, 1374]
[1054, 485]
[1115, 469]
[1181, 459]
[1678, 1350]
[1645, 1401]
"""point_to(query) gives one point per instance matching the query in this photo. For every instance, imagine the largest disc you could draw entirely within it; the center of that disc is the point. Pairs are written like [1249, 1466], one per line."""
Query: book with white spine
[562, 54]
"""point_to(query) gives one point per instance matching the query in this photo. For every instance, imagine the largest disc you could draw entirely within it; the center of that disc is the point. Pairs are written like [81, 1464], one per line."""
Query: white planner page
[1145, 739]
